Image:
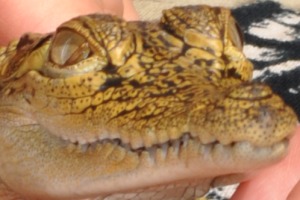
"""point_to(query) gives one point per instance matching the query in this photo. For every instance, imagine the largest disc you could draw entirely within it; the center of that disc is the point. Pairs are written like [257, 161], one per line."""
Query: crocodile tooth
[105, 141]
[149, 138]
[161, 154]
[205, 150]
[206, 138]
[136, 144]
[81, 141]
[125, 138]
[145, 160]
[126, 146]
[220, 151]
[152, 152]
[103, 135]
[185, 139]
[73, 140]
[164, 147]
[84, 147]
[93, 146]
[176, 145]
[114, 135]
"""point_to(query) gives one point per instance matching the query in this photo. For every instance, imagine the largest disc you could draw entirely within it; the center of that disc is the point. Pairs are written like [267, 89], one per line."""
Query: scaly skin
[109, 109]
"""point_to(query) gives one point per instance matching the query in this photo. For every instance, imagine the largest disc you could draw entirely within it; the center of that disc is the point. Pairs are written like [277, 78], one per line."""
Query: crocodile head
[135, 110]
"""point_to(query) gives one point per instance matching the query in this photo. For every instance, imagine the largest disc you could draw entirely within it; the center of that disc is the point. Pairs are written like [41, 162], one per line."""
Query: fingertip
[275, 182]
[130, 13]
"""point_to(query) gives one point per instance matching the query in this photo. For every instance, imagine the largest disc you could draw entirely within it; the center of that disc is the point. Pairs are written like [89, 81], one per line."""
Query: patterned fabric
[221, 193]
[272, 43]
[272, 37]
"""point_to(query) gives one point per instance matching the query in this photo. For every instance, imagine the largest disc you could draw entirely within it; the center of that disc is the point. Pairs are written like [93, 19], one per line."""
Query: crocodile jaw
[36, 163]
[63, 171]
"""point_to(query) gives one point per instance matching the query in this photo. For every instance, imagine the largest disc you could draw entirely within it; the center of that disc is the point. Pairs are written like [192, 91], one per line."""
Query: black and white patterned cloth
[272, 43]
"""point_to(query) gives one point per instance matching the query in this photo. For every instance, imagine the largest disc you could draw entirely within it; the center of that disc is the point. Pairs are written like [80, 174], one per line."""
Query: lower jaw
[192, 170]
[180, 190]
[52, 171]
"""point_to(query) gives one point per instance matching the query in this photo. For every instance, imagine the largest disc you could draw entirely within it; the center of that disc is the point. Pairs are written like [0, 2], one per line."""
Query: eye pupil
[68, 48]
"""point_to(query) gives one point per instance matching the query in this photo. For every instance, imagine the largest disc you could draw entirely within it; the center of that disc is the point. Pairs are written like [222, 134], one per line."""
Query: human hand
[278, 182]
[19, 17]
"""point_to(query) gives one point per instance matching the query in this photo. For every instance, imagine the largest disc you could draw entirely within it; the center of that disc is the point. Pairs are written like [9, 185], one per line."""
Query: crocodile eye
[69, 48]
[235, 34]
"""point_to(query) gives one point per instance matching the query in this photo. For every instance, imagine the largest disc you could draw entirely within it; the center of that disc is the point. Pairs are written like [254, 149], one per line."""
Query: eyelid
[68, 47]
[235, 34]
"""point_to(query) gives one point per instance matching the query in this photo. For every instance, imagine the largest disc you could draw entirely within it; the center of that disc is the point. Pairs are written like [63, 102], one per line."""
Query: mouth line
[176, 144]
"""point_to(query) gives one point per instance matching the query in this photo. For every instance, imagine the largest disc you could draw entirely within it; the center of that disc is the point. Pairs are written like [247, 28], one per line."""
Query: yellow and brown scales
[109, 109]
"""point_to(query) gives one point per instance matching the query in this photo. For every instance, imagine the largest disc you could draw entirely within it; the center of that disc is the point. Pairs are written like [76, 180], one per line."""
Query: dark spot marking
[25, 40]
[169, 83]
[168, 93]
[233, 73]
[135, 83]
[111, 82]
[178, 69]
[109, 69]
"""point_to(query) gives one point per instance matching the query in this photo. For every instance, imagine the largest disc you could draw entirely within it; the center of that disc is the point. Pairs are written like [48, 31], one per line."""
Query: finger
[277, 181]
[130, 13]
[115, 7]
[121, 8]
[295, 194]
[18, 17]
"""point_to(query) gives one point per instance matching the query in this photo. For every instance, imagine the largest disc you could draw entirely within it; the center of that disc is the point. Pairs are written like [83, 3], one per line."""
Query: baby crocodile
[109, 109]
